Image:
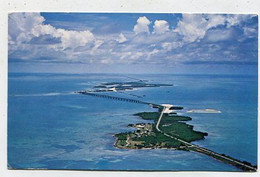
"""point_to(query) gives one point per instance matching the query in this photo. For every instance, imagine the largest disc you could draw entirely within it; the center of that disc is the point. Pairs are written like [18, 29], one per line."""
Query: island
[212, 111]
[124, 86]
[170, 131]
[146, 136]
[166, 129]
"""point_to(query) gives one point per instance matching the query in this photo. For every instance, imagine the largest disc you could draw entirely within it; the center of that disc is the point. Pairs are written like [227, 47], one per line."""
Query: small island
[124, 86]
[212, 111]
[146, 136]
[166, 130]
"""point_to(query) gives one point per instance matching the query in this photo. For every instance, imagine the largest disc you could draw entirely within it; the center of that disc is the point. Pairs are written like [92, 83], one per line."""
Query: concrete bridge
[165, 109]
[116, 98]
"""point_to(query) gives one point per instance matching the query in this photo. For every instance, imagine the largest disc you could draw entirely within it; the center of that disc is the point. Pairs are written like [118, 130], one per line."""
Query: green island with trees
[172, 133]
[146, 136]
[166, 130]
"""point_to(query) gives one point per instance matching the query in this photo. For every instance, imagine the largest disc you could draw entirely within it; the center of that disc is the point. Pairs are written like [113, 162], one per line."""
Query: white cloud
[155, 51]
[121, 38]
[168, 46]
[137, 55]
[24, 26]
[124, 55]
[41, 29]
[74, 39]
[98, 43]
[250, 32]
[217, 35]
[106, 61]
[214, 20]
[236, 19]
[95, 49]
[160, 26]
[142, 25]
[162, 45]
[194, 27]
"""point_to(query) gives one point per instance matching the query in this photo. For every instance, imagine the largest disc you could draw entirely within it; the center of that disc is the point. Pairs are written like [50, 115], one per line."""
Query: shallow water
[51, 127]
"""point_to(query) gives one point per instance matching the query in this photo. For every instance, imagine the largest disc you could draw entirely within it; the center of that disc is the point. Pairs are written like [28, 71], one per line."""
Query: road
[115, 98]
[200, 149]
[192, 146]
[159, 120]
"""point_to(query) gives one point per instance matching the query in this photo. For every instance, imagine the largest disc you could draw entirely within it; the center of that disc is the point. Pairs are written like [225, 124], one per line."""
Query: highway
[200, 149]
[114, 97]
[189, 145]
[159, 120]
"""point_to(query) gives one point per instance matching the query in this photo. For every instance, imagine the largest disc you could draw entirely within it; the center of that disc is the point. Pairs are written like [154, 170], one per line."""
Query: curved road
[197, 148]
[200, 149]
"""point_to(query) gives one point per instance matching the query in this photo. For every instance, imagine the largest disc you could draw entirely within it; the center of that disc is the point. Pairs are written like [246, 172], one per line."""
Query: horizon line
[220, 74]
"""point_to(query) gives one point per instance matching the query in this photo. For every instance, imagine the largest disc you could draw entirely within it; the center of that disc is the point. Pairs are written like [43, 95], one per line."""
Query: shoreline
[146, 135]
[170, 132]
[129, 140]
[140, 148]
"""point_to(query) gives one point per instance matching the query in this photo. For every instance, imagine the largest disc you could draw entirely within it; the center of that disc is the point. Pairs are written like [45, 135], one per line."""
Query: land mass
[147, 136]
[167, 129]
[123, 86]
[203, 111]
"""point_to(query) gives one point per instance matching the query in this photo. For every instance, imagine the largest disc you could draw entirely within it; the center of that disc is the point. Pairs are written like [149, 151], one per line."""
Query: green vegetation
[170, 133]
[157, 140]
[176, 108]
[165, 119]
[173, 133]
[181, 130]
[146, 135]
[121, 86]
[148, 115]
[121, 139]
[100, 86]
[121, 136]
[135, 84]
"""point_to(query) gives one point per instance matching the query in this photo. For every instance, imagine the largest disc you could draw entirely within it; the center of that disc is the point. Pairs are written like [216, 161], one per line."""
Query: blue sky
[133, 43]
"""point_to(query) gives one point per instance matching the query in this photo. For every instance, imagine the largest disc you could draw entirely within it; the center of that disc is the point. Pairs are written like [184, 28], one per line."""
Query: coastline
[146, 136]
[129, 140]
[199, 121]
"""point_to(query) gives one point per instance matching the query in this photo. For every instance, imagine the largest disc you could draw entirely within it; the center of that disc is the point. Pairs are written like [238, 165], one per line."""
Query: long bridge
[193, 147]
[116, 98]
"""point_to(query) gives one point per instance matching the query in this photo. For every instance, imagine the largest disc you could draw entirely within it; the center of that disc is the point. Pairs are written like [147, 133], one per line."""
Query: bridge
[117, 98]
[189, 146]
[193, 147]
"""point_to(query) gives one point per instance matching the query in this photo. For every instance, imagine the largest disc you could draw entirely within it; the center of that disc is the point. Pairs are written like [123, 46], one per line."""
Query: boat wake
[43, 94]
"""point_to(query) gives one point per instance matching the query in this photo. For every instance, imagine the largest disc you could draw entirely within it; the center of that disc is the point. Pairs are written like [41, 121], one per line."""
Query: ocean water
[51, 127]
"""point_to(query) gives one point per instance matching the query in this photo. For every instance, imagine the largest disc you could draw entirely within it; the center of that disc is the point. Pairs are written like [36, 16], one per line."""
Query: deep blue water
[51, 127]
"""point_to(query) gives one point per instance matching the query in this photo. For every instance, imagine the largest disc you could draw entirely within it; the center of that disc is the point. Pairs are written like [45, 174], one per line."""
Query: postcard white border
[150, 6]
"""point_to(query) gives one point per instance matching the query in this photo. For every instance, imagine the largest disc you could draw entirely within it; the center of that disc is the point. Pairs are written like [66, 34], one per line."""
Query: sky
[133, 43]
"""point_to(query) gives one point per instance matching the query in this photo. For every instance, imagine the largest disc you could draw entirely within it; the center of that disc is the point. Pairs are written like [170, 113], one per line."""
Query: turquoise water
[51, 127]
